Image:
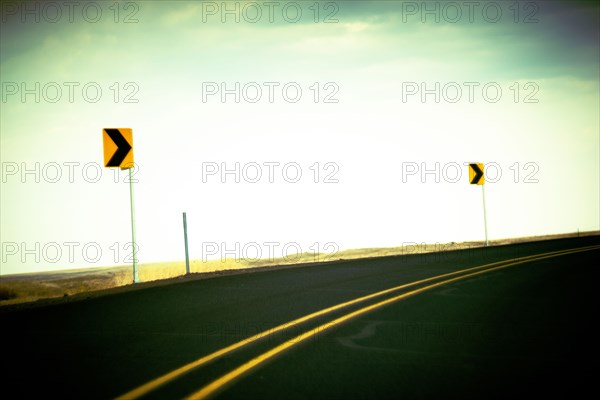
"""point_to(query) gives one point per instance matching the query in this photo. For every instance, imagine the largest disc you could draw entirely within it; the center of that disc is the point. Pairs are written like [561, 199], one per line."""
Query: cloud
[184, 14]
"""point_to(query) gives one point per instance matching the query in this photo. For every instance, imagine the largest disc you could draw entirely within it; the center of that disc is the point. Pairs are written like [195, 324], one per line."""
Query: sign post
[118, 153]
[487, 243]
[476, 177]
[136, 277]
[187, 257]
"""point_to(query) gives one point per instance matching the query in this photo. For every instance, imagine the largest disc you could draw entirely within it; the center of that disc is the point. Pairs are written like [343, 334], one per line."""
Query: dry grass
[7, 293]
[30, 287]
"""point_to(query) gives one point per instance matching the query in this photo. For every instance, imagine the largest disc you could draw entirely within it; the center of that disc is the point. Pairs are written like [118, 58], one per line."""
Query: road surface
[497, 322]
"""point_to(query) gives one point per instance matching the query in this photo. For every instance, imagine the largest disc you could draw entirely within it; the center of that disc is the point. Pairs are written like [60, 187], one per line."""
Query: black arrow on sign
[123, 147]
[478, 174]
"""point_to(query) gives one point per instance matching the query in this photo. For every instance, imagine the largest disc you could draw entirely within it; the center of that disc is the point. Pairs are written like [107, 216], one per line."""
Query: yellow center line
[163, 379]
[219, 384]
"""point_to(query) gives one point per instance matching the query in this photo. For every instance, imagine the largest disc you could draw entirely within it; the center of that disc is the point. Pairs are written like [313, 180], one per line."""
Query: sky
[283, 127]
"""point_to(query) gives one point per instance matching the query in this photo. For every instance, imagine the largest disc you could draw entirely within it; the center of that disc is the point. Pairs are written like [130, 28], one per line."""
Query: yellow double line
[245, 368]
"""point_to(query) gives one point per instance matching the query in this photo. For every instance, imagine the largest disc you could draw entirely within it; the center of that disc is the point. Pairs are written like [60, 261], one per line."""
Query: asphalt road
[523, 329]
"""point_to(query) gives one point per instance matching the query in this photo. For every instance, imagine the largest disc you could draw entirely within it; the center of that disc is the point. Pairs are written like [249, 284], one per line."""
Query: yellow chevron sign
[118, 147]
[476, 174]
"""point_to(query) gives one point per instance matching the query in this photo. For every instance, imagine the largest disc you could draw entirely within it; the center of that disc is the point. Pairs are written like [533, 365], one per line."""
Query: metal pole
[136, 277]
[187, 257]
[484, 216]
